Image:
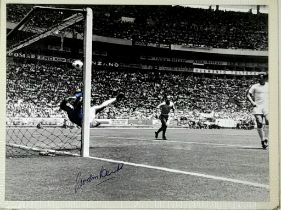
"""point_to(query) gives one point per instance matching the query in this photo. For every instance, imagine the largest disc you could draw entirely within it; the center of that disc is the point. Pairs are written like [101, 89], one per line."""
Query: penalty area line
[218, 178]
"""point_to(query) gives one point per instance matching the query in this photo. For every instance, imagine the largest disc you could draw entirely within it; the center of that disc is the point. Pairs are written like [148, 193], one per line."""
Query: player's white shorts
[261, 109]
[92, 114]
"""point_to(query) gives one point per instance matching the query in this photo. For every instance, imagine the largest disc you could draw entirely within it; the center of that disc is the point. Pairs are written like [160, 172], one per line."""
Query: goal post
[87, 75]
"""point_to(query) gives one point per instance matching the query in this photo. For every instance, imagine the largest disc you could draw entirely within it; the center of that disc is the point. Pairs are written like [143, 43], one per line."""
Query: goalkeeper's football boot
[94, 124]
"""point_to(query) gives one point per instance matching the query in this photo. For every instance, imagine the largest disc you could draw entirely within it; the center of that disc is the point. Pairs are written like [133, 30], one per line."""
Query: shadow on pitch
[251, 148]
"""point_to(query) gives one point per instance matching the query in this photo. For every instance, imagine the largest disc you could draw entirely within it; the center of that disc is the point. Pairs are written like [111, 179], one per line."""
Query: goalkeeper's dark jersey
[75, 114]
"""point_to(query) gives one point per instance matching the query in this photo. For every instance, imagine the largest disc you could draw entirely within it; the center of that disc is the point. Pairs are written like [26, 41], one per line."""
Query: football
[77, 64]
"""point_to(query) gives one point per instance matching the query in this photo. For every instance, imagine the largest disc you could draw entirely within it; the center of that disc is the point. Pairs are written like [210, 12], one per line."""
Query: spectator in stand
[200, 28]
[193, 92]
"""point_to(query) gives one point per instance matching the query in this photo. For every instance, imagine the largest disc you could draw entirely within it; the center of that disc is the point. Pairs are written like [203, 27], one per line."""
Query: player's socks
[266, 132]
[261, 133]
[164, 133]
[265, 137]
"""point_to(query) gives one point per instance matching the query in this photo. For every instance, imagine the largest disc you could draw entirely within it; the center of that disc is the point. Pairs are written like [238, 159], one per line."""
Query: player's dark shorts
[163, 117]
[75, 118]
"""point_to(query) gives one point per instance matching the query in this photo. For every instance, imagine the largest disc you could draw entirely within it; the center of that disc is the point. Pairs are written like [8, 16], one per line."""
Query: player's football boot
[264, 144]
[156, 135]
[94, 124]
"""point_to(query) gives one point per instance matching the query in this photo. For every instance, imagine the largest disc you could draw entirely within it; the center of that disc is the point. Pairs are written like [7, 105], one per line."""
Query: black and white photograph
[124, 102]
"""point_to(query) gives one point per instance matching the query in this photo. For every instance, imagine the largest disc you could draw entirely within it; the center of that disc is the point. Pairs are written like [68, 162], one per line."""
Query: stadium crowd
[35, 92]
[36, 89]
[169, 25]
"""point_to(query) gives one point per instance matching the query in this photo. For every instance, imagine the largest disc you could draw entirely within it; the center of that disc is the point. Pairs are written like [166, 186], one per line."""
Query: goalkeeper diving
[75, 111]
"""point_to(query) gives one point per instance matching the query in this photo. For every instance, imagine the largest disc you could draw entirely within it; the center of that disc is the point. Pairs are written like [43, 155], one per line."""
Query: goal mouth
[40, 50]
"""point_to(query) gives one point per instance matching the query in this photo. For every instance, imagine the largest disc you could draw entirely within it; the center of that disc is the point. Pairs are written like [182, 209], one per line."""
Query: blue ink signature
[103, 174]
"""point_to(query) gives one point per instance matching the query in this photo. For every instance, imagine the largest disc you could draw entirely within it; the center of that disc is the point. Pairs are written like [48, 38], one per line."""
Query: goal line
[43, 151]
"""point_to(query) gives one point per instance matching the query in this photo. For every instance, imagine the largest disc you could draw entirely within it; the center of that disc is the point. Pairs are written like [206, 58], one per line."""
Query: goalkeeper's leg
[98, 108]
[102, 106]
[106, 103]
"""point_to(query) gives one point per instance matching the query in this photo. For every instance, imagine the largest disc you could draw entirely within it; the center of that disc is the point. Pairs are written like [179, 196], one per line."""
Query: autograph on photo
[103, 176]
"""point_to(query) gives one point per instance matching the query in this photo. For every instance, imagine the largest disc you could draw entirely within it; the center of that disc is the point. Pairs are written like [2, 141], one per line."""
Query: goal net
[39, 77]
